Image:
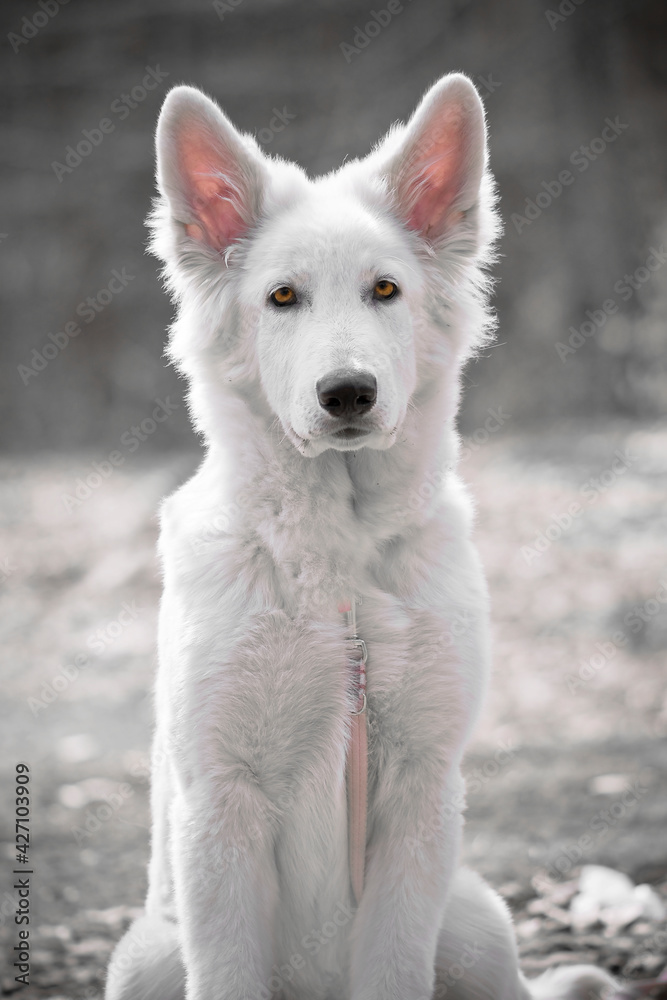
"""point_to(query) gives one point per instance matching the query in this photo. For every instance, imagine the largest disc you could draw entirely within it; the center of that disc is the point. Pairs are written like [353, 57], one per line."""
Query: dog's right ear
[435, 171]
[211, 176]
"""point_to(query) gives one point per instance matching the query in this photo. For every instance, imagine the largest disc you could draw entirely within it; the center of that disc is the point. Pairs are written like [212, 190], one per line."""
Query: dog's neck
[327, 521]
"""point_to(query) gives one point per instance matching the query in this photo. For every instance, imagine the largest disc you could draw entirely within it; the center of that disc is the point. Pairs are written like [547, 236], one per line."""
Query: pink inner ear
[212, 197]
[435, 176]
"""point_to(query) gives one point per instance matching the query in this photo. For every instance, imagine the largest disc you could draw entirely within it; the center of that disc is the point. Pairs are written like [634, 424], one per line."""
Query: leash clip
[360, 671]
[361, 710]
[360, 644]
[359, 662]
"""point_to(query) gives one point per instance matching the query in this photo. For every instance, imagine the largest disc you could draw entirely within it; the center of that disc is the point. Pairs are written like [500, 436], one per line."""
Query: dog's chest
[268, 657]
[279, 693]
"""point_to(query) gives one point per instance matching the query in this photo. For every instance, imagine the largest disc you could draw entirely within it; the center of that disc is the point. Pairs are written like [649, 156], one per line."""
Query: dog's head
[332, 305]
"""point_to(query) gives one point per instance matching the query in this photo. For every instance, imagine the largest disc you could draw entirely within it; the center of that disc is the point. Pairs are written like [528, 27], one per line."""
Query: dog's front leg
[226, 888]
[412, 857]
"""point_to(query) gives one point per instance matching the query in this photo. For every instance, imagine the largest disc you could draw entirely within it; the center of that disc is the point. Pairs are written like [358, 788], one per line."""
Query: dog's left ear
[436, 171]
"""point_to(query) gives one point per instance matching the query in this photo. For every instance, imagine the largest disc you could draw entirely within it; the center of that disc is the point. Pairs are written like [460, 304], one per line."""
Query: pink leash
[357, 755]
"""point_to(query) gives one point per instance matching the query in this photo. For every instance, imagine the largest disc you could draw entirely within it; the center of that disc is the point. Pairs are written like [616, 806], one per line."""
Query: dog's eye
[385, 289]
[283, 296]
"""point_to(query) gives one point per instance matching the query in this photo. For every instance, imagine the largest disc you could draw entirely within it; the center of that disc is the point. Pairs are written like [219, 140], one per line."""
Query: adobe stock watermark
[226, 515]
[97, 642]
[462, 623]
[591, 491]
[495, 419]
[87, 310]
[220, 524]
[656, 944]
[581, 158]
[642, 614]
[486, 84]
[589, 668]
[425, 493]
[433, 481]
[214, 529]
[7, 567]
[479, 776]
[31, 26]
[598, 826]
[312, 942]
[237, 847]
[474, 782]
[131, 440]
[625, 288]
[636, 620]
[221, 8]
[363, 36]
[135, 949]
[277, 124]
[94, 819]
[121, 108]
[211, 531]
[565, 9]
[456, 970]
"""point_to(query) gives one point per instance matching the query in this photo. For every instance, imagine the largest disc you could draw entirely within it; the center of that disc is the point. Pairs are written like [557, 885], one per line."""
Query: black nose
[346, 393]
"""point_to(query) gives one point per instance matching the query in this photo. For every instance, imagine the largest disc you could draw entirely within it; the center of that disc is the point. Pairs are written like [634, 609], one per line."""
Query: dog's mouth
[350, 433]
[342, 439]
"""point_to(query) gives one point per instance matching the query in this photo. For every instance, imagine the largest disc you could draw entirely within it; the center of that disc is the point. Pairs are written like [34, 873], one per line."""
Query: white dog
[322, 327]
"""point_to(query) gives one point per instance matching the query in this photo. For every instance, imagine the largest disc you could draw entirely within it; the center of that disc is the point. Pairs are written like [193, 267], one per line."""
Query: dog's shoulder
[181, 510]
[192, 520]
[211, 560]
[459, 503]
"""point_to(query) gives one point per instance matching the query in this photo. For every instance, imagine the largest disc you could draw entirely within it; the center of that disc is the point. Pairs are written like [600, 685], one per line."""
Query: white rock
[652, 906]
[605, 885]
[615, 918]
[610, 897]
[585, 911]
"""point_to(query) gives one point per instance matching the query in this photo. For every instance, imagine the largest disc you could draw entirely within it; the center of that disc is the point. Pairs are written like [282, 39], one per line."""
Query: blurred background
[565, 434]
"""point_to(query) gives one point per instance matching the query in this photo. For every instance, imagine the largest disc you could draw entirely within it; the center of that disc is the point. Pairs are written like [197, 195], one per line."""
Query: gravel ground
[567, 767]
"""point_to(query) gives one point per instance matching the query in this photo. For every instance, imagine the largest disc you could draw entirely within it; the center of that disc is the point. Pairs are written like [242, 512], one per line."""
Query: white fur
[249, 891]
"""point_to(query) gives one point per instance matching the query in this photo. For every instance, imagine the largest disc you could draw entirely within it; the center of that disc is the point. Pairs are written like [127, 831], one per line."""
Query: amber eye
[385, 289]
[283, 296]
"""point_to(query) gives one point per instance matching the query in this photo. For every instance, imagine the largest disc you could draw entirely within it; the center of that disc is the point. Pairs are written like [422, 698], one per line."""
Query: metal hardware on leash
[360, 644]
[351, 622]
[364, 703]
